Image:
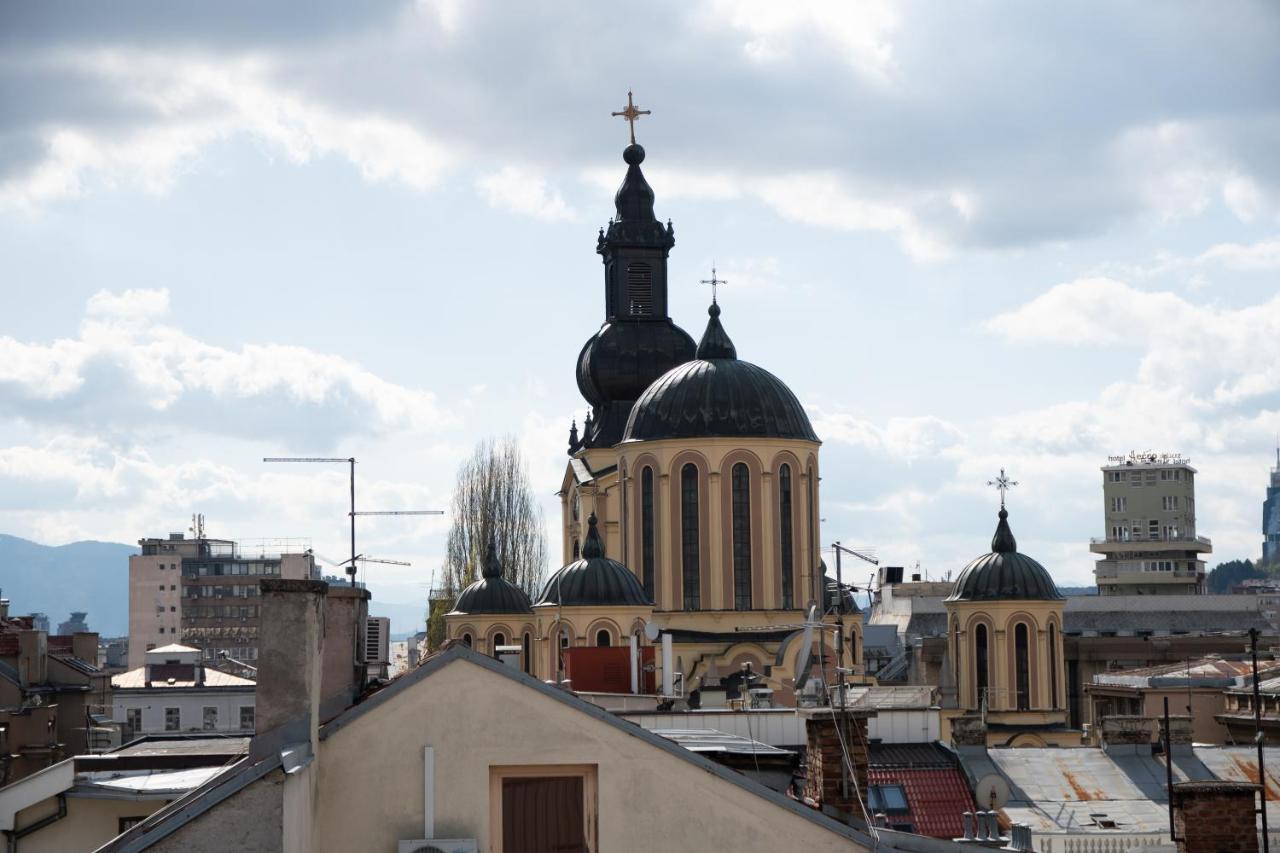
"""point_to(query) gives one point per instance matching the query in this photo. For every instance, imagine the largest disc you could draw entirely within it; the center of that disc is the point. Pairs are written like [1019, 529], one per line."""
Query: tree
[492, 501]
[1228, 574]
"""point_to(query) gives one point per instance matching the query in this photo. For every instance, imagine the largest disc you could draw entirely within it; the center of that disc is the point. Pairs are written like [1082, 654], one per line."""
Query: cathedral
[689, 503]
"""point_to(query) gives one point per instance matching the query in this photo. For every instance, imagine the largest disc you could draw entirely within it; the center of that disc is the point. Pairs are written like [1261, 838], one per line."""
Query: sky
[968, 236]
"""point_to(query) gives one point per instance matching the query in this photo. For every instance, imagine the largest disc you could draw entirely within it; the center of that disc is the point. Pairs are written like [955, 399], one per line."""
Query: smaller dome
[1004, 574]
[593, 580]
[492, 593]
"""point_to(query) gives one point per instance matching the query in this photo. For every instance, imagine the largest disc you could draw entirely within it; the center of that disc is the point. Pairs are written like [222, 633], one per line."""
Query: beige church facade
[696, 476]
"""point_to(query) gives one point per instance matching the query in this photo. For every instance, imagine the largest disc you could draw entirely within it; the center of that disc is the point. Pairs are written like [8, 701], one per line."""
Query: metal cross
[1003, 484]
[631, 114]
[713, 281]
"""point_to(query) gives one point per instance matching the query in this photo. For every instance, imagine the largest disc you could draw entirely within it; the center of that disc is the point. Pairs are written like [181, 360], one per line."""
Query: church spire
[592, 547]
[492, 567]
[715, 343]
[1003, 542]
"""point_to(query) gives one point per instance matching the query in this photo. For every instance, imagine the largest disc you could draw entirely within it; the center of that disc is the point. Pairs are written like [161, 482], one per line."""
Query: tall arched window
[816, 593]
[526, 653]
[466, 640]
[576, 550]
[955, 651]
[1053, 667]
[785, 537]
[689, 536]
[1021, 666]
[741, 485]
[602, 638]
[980, 658]
[646, 530]
[498, 640]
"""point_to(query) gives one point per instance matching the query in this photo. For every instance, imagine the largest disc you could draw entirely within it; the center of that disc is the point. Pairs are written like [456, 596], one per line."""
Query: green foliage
[435, 622]
[1228, 574]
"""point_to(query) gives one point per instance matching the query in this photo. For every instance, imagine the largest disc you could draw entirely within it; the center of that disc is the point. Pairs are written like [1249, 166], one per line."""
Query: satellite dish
[651, 632]
[803, 663]
[991, 792]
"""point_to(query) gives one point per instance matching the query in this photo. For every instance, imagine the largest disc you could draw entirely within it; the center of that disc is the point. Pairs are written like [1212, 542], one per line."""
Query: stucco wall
[247, 822]
[89, 823]
[371, 774]
[191, 705]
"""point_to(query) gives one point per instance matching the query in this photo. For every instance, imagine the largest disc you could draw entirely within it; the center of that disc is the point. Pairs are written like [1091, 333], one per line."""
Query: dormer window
[639, 289]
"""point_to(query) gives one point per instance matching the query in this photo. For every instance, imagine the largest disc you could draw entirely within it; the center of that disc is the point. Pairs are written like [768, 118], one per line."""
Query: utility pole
[1258, 737]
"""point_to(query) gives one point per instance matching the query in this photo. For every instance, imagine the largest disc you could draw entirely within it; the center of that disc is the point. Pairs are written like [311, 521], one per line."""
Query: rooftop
[136, 679]
[1206, 672]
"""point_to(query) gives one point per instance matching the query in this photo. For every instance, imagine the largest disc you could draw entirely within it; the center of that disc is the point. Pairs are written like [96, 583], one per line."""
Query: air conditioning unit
[377, 640]
[439, 845]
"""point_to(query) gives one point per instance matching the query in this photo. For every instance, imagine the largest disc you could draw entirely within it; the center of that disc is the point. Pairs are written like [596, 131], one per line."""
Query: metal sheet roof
[712, 740]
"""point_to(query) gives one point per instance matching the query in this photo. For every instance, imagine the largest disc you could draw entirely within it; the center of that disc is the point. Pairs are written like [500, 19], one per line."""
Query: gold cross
[713, 281]
[1003, 484]
[631, 114]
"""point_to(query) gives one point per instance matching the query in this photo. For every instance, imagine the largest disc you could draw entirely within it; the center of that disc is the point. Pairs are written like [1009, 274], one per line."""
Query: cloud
[521, 191]
[904, 438]
[129, 369]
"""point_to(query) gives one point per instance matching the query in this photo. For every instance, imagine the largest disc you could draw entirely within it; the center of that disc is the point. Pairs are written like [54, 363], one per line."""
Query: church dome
[1004, 574]
[593, 580]
[622, 359]
[717, 395]
[492, 593]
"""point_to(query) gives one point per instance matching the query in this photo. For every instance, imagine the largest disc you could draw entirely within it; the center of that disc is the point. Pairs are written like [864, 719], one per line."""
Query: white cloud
[904, 438]
[523, 191]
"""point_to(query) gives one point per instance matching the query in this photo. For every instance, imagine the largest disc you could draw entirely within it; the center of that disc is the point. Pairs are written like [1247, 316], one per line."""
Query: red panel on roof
[937, 796]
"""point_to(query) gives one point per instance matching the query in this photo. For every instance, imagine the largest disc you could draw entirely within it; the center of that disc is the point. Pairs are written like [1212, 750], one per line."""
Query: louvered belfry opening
[640, 289]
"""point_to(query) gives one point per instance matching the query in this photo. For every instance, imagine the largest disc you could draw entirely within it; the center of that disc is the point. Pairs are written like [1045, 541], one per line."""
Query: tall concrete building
[1271, 517]
[1149, 511]
[203, 593]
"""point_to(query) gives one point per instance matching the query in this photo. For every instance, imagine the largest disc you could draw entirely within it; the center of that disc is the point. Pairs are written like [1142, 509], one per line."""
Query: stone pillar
[1216, 817]
[289, 662]
[33, 647]
[830, 732]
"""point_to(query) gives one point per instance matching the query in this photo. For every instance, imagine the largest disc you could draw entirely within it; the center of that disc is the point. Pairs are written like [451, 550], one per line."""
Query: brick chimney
[1216, 817]
[84, 645]
[343, 676]
[290, 639]
[830, 732]
[33, 646]
[968, 730]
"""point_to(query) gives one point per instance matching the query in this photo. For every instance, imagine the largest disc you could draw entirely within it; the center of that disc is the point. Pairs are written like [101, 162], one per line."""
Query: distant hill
[89, 576]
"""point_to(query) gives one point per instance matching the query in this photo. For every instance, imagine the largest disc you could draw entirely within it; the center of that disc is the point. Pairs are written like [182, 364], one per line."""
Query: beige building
[1149, 513]
[690, 502]
[201, 592]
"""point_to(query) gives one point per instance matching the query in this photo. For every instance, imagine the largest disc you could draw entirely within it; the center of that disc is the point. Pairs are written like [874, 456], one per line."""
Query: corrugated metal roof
[1212, 670]
[908, 696]
[711, 740]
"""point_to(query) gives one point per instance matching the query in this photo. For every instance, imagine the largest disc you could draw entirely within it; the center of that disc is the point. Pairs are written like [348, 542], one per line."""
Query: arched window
[1053, 666]
[466, 640]
[576, 550]
[602, 638]
[1021, 666]
[741, 486]
[785, 537]
[813, 540]
[980, 660]
[646, 530]
[526, 653]
[499, 639]
[955, 651]
[689, 536]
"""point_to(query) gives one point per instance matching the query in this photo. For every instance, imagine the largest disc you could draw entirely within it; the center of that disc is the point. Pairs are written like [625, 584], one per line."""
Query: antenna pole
[352, 571]
[1258, 737]
[839, 617]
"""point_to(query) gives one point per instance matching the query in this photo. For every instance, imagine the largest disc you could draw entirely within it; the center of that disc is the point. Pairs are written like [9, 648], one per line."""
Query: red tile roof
[937, 797]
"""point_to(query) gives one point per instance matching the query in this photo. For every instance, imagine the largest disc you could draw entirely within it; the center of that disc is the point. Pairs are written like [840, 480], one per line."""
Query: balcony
[1108, 545]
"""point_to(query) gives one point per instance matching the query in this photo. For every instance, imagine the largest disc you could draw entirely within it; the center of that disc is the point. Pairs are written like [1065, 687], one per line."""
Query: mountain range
[57, 579]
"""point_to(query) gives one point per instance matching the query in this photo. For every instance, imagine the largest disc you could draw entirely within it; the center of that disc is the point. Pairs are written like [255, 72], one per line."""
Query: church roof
[492, 593]
[718, 395]
[1004, 574]
[594, 579]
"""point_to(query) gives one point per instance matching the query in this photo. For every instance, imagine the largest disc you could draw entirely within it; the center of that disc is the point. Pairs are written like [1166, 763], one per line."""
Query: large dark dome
[717, 395]
[492, 593]
[1004, 574]
[622, 359]
[594, 579]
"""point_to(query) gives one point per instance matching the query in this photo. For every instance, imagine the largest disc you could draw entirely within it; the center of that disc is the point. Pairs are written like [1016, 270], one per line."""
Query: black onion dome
[492, 593]
[716, 395]
[1004, 574]
[594, 579]
[623, 359]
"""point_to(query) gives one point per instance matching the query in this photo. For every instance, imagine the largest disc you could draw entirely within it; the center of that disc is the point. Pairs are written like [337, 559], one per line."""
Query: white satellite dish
[991, 792]
[805, 658]
[651, 631]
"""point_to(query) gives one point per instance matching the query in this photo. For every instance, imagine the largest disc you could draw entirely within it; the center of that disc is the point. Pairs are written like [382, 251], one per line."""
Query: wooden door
[543, 814]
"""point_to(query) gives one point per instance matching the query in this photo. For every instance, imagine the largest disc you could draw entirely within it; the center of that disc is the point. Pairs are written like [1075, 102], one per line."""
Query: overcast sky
[968, 236]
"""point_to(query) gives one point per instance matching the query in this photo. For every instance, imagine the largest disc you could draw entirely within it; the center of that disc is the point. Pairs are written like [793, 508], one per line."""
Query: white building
[175, 692]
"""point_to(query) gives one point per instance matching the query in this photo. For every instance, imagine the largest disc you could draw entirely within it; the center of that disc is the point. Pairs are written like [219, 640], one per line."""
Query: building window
[740, 478]
[1022, 652]
[210, 718]
[639, 289]
[1053, 667]
[246, 718]
[980, 660]
[526, 653]
[785, 537]
[550, 807]
[813, 532]
[887, 798]
[466, 640]
[602, 639]
[124, 824]
[689, 536]
[646, 530]
[498, 640]
[576, 550]
[173, 719]
[1119, 504]
[133, 721]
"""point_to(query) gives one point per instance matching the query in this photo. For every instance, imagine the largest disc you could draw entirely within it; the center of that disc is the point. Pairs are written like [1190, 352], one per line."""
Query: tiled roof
[936, 796]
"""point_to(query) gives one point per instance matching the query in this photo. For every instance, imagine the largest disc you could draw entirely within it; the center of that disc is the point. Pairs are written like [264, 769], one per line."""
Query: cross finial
[714, 282]
[631, 114]
[1002, 484]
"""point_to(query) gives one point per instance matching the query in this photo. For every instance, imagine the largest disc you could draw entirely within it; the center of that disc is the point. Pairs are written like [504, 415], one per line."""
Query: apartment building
[202, 592]
[1149, 513]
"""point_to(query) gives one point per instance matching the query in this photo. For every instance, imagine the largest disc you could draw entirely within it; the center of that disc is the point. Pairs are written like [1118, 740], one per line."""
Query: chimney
[969, 730]
[290, 641]
[830, 733]
[1215, 816]
[1127, 735]
[1180, 736]
[4, 608]
[33, 646]
[84, 645]
[343, 677]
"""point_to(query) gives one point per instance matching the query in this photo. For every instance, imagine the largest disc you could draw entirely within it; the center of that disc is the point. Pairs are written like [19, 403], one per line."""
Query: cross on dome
[631, 114]
[1002, 484]
[714, 282]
